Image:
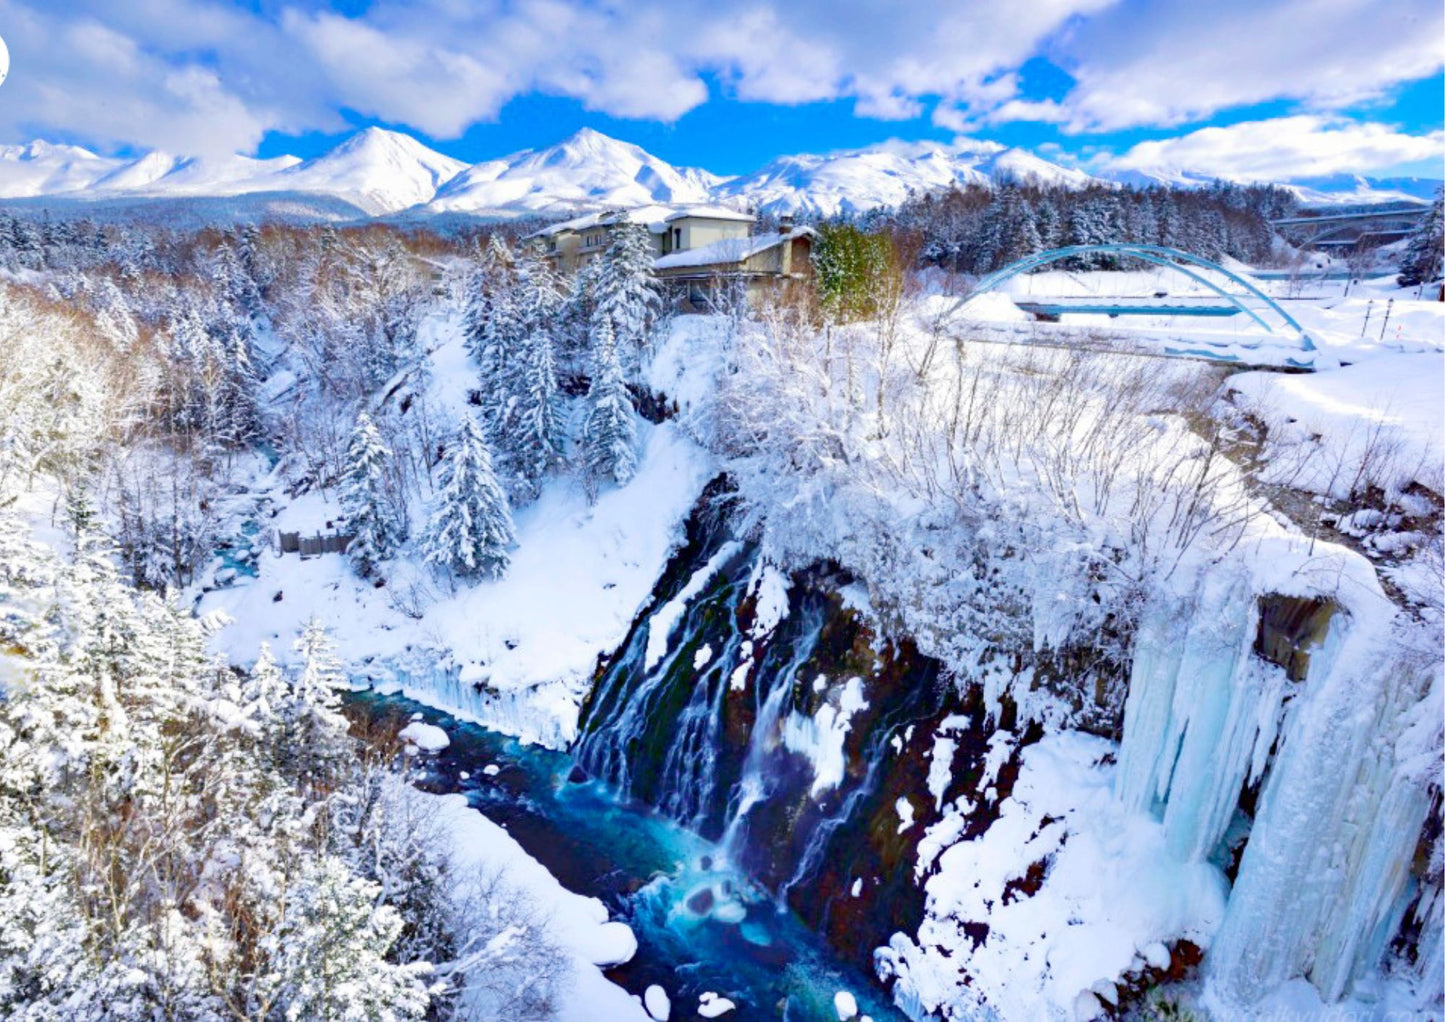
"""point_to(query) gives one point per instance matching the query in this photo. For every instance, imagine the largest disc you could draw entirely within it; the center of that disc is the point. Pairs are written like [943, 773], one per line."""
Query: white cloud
[1169, 62]
[441, 65]
[1279, 148]
[82, 77]
[208, 75]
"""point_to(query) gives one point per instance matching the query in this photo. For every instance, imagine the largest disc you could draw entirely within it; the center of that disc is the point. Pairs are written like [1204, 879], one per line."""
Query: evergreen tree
[488, 297]
[1017, 231]
[237, 418]
[499, 333]
[609, 438]
[539, 293]
[1049, 225]
[470, 531]
[330, 955]
[315, 731]
[1424, 259]
[377, 526]
[536, 434]
[626, 293]
[263, 700]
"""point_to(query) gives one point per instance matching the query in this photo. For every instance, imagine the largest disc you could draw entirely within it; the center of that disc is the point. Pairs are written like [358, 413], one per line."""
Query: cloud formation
[203, 76]
[1306, 145]
[1169, 62]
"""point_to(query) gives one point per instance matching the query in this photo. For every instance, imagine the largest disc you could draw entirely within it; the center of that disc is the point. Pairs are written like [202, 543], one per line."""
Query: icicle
[1200, 717]
[1323, 877]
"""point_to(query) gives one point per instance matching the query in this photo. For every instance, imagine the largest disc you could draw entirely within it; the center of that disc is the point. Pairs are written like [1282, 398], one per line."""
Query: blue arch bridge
[1231, 294]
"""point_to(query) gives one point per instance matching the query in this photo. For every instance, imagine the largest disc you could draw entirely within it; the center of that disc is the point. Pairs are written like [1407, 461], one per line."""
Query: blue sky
[1243, 88]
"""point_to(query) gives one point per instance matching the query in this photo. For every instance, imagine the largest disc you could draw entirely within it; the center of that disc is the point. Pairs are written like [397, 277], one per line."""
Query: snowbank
[577, 923]
[1385, 415]
[995, 307]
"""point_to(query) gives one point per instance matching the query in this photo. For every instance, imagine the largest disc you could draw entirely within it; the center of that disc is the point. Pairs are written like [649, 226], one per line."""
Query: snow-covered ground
[1389, 408]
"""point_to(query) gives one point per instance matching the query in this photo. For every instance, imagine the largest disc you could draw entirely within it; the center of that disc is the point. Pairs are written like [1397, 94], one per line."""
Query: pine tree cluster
[977, 230]
[182, 841]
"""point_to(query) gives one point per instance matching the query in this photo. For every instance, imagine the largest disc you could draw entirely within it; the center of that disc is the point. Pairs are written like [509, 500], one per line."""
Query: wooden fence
[311, 546]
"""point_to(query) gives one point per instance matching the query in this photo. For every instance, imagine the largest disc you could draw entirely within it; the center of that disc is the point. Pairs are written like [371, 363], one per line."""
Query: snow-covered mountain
[883, 175]
[1338, 189]
[1330, 190]
[586, 171]
[41, 168]
[378, 172]
[381, 171]
[162, 175]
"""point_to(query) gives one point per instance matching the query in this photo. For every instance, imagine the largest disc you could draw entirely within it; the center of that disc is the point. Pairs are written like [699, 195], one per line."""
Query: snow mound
[658, 1004]
[426, 737]
[993, 307]
[710, 1005]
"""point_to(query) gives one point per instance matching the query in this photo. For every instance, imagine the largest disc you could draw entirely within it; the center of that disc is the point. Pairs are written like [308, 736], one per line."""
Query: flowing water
[701, 924]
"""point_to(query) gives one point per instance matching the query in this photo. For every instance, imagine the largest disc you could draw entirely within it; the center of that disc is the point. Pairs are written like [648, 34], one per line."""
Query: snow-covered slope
[587, 170]
[1020, 165]
[161, 174]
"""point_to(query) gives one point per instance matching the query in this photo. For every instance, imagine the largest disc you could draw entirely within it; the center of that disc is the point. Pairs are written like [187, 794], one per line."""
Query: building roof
[650, 216]
[729, 250]
[710, 213]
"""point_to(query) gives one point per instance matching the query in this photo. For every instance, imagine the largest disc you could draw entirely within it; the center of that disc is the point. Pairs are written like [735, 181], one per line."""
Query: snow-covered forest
[977, 229]
[1073, 682]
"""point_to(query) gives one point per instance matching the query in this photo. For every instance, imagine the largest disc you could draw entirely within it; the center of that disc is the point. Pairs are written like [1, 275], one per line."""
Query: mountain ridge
[382, 172]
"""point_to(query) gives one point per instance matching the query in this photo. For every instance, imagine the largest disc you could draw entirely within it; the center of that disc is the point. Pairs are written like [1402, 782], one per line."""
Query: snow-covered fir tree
[470, 530]
[626, 293]
[1424, 258]
[315, 730]
[488, 288]
[376, 524]
[536, 433]
[609, 437]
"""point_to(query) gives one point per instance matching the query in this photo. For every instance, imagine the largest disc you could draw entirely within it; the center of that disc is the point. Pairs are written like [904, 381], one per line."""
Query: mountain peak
[591, 135]
[383, 170]
[583, 171]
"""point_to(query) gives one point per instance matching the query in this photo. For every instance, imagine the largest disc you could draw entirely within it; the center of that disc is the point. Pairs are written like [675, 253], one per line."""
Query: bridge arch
[1195, 267]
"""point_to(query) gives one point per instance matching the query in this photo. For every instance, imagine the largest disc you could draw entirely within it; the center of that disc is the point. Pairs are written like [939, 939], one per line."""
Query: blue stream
[700, 925]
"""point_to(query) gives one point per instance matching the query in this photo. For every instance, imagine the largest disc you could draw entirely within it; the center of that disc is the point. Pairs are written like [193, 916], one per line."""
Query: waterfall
[651, 728]
[743, 706]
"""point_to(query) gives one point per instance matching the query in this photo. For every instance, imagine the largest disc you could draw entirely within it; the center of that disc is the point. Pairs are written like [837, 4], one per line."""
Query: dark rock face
[707, 733]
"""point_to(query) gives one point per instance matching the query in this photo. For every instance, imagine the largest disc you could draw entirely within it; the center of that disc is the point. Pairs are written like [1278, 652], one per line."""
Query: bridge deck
[1116, 305]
